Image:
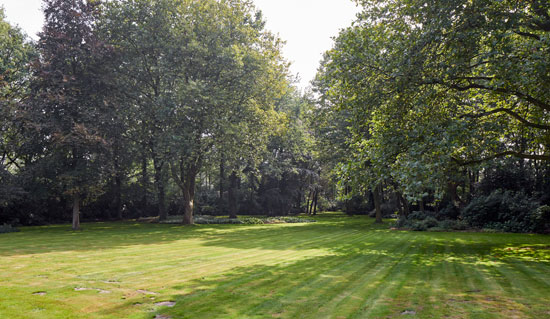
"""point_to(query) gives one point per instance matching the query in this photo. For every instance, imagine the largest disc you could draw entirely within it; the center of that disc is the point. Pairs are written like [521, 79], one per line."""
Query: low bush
[423, 222]
[7, 228]
[211, 220]
[505, 211]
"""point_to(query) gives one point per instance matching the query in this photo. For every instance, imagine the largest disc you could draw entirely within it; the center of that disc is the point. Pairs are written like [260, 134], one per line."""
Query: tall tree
[432, 86]
[15, 54]
[196, 71]
[68, 97]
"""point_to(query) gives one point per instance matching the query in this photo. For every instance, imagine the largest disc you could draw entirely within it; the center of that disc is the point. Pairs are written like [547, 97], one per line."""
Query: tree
[15, 54]
[433, 86]
[197, 73]
[68, 97]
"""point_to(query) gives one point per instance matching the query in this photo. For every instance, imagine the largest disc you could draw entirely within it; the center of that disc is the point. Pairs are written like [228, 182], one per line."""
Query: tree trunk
[189, 196]
[421, 204]
[455, 199]
[377, 203]
[159, 181]
[188, 206]
[118, 195]
[406, 205]
[315, 199]
[311, 204]
[76, 211]
[117, 183]
[232, 196]
[144, 182]
[222, 178]
[299, 200]
[307, 203]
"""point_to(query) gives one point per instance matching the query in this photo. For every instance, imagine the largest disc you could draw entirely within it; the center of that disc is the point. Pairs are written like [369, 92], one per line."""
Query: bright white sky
[306, 25]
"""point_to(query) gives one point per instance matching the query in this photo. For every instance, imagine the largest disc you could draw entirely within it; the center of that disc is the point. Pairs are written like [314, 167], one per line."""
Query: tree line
[431, 110]
[133, 108]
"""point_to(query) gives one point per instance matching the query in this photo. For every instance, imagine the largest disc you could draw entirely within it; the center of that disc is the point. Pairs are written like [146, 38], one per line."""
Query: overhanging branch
[511, 113]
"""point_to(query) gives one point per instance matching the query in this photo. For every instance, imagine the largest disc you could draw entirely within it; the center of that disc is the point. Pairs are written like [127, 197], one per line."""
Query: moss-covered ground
[339, 267]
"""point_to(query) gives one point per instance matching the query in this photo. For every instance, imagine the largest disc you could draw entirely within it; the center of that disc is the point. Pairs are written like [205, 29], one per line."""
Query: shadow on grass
[334, 233]
[368, 285]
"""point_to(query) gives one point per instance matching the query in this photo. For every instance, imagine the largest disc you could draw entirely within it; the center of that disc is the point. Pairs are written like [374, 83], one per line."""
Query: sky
[307, 26]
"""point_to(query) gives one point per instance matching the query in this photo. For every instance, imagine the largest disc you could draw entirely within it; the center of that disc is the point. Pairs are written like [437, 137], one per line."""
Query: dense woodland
[434, 112]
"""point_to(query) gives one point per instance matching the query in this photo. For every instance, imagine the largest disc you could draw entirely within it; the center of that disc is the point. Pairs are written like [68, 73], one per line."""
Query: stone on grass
[165, 304]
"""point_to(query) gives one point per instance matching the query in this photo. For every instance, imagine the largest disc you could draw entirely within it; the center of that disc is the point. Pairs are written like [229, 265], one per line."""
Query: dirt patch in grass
[146, 292]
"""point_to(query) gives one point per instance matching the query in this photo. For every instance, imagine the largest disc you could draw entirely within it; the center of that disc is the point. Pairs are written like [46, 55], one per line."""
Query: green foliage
[503, 210]
[426, 91]
[15, 54]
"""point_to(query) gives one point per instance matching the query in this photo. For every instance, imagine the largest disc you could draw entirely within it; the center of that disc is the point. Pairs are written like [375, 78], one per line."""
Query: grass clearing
[339, 267]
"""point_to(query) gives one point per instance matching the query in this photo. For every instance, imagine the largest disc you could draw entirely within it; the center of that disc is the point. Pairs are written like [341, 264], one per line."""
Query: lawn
[339, 267]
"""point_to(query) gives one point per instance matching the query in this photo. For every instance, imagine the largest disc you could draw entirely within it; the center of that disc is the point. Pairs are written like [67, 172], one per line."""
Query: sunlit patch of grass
[339, 267]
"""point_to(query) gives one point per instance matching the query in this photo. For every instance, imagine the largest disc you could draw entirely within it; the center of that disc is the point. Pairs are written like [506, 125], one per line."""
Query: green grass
[339, 267]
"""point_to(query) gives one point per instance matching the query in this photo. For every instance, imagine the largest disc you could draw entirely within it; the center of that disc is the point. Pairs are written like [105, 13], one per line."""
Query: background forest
[435, 112]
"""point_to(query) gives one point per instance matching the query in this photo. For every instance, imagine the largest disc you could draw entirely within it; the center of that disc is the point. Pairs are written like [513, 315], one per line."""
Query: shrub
[449, 212]
[402, 222]
[448, 224]
[503, 210]
[296, 220]
[540, 218]
[7, 228]
[425, 224]
[252, 221]
[438, 229]
[461, 225]
[418, 215]
[211, 220]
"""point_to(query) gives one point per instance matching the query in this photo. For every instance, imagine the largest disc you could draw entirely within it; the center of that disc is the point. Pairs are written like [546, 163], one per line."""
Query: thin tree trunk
[222, 177]
[399, 206]
[311, 203]
[232, 196]
[406, 205]
[118, 195]
[307, 203]
[421, 203]
[76, 211]
[377, 203]
[299, 200]
[144, 182]
[159, 181]
[117, 183]
[189, 197]
[315, 199]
